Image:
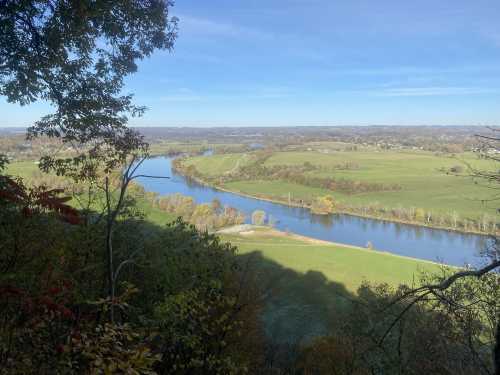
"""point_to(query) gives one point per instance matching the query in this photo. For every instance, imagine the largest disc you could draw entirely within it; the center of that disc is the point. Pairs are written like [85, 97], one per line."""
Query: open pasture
[426, 179]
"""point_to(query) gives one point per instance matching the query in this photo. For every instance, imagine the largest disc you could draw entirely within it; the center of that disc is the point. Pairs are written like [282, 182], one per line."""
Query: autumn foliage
[37, 200]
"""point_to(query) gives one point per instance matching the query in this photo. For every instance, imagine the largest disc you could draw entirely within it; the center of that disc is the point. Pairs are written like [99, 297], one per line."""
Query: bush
[258, 217]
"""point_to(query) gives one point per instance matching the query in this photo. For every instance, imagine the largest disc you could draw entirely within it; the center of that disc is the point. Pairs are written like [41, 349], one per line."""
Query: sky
[319, 62]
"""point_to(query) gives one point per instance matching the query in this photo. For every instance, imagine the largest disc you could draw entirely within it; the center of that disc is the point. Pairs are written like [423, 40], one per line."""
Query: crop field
[422, 176]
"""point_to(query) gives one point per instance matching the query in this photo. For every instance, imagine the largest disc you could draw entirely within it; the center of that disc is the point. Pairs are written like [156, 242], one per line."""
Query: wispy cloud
[411, 71]
[432, 91]
[209, 27]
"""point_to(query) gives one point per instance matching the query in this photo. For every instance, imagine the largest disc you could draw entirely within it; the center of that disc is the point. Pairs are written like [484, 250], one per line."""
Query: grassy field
[419, 174]
[22, 169]
[220, 164]
[346, 265]
[342, 264]
[26, 169]
[312, 285]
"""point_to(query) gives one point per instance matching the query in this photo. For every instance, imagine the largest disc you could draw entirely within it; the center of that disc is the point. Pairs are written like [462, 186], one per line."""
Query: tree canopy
[75, 56]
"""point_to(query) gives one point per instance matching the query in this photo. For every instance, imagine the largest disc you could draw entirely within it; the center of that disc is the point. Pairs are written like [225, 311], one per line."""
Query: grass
[154, 214]
[219, 164]
[275, 189]
[346, 265]
[417, 172]
[342, 264]
[22, 169]
[311, 286]
[26, 169]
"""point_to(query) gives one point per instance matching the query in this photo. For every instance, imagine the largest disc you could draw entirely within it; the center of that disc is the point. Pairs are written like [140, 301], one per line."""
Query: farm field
[421, 175]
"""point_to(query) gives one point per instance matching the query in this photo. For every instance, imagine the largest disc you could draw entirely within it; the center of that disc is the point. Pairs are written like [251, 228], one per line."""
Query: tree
[419, 214]
[258, 217]
[216, 206]
[323, 205]
[439, 289]
[75, 56]
[203, 217]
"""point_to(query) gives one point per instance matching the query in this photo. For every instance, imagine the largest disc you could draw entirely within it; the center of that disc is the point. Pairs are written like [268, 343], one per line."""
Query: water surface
[418, 242]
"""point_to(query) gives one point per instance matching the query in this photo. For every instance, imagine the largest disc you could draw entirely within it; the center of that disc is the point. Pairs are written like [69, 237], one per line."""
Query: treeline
[205, 216]
[301, 174]
[298, 174]
[412, 215]
[325, 205]
[416, 215]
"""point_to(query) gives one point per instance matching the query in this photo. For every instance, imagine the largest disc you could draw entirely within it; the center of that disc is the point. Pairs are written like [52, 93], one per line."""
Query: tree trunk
[496, 356]
[109, 254]
[111, 286]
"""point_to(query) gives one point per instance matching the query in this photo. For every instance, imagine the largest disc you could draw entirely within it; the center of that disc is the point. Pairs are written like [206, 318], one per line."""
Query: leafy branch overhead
[75, 56]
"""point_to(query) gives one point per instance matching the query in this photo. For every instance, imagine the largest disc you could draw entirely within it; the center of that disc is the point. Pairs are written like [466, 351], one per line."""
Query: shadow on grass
[297, 307]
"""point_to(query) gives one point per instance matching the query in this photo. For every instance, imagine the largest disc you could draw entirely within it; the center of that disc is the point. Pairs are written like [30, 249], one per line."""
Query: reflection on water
[408, 240]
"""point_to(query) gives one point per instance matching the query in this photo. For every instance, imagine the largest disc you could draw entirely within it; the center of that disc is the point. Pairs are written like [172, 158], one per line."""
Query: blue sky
[320, 62]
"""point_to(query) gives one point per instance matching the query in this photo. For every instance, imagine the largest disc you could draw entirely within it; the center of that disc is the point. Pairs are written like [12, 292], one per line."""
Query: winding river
[408, 240]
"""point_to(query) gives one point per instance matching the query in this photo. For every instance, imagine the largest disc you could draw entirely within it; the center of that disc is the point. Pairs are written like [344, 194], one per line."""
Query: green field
[419, 173]
[22, 169]
[347, 265]
[342, 264]
[26, 169]
[312, 285]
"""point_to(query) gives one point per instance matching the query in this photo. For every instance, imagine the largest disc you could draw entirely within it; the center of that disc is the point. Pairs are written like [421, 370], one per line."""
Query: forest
[100, 276]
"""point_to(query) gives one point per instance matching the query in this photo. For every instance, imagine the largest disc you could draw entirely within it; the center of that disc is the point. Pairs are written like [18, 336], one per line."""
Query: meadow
[311, 286]
[343, 264]
[28, 169]
[424, 178]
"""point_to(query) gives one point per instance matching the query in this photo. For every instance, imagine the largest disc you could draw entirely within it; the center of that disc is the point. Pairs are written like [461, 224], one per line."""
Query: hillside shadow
[297, 307]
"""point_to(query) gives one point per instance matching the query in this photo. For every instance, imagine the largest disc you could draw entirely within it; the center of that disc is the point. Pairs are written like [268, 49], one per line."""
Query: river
[437, 245]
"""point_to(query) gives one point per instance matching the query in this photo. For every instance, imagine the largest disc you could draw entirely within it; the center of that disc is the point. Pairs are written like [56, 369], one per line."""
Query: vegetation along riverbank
[413, 187]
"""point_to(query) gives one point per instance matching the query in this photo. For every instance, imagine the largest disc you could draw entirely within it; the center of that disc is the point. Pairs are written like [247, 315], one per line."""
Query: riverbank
[284, 202]
[434, 191]
[430, 244]
[256, 231]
